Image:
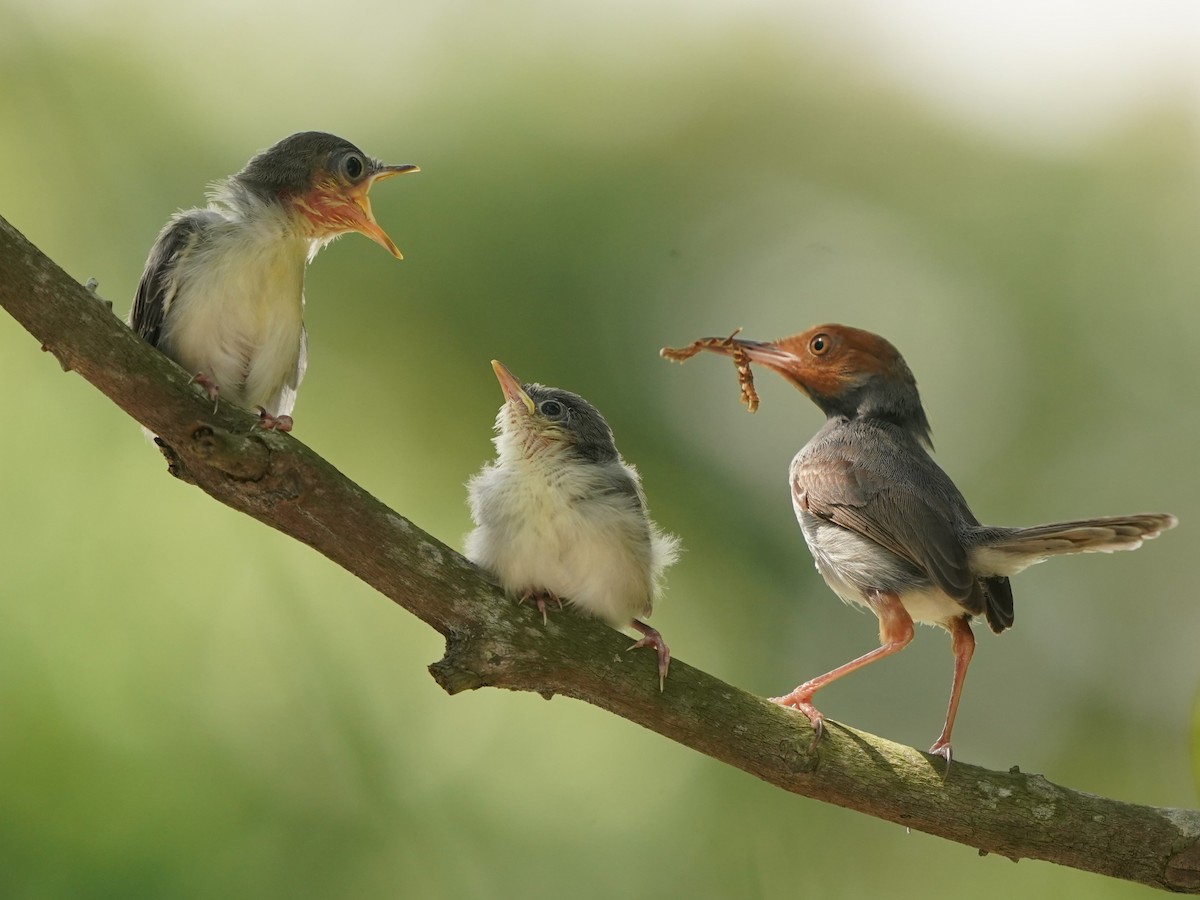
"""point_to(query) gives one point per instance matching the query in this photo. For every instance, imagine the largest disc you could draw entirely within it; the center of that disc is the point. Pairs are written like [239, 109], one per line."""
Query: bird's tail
[1006, 551]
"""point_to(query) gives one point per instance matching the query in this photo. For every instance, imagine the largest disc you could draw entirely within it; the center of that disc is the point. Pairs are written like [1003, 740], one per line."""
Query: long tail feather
[1005, 551]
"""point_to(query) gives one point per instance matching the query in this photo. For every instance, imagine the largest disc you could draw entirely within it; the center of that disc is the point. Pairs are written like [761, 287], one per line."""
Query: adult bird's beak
[775, 355]
[795, 368]
[359, 215]
[511, 385]
[768, 354]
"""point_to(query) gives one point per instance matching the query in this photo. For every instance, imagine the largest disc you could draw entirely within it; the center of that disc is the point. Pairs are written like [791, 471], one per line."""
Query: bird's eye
[819, 345]
[353, 166]
[551, 409]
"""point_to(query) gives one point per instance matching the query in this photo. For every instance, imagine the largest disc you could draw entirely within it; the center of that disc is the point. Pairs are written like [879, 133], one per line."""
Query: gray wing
[156, 290]
[625, 483]
[661, 549]
[893, 510]
[621, 482]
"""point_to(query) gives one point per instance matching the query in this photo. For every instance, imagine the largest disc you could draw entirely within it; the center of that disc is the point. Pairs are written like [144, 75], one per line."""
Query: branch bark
[491, 643]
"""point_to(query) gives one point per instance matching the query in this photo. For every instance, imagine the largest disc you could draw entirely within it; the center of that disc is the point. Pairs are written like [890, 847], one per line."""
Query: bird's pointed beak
[362, 219]
[511, 385]
[765, 352]
[768, 354]
[383, 172]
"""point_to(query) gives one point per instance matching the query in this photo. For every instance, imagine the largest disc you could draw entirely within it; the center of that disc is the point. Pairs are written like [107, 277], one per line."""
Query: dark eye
[353, 166]
[551, 409]
[819, 345]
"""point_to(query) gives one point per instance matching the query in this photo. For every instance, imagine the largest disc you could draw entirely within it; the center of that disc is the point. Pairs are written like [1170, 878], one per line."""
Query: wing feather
[158, 286]
[911, 511]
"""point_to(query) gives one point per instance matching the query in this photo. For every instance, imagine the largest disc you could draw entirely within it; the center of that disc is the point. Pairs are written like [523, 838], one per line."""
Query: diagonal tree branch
[490, 643]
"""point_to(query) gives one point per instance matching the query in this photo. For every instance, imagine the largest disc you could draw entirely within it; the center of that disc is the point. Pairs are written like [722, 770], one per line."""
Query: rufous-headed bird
[886, 526]
[559, 514]
[222, 293]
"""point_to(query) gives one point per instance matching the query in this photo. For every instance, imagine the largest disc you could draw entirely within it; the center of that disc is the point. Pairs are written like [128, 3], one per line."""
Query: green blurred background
[192, 705]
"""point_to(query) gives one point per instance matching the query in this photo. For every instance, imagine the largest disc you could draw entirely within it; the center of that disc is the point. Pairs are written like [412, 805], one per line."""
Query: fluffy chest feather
[546, 523]
[236, 310]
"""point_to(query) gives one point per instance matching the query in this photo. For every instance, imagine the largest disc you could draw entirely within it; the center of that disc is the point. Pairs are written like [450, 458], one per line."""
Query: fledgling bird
[222, 293]
[559, 515]
[886, 526]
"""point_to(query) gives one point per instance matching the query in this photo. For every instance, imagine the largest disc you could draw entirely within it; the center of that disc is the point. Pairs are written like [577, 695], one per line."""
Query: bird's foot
[801, 700]
[651, 638]
[93, 288]
[209, 386]
[941, 747]
[268, 422]
[539, 598]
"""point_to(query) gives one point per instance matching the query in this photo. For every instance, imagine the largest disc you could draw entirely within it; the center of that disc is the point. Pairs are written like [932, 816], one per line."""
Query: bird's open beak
[359, 215]
[511, 385]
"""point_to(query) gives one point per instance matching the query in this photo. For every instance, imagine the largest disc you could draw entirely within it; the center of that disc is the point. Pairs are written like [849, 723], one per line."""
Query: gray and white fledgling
[887, 528]
[560, 516]
[222, 293]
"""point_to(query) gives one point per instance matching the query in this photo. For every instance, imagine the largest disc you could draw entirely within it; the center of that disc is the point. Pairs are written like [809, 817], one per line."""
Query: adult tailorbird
[886, 526]
[560, 515]
[223, 289]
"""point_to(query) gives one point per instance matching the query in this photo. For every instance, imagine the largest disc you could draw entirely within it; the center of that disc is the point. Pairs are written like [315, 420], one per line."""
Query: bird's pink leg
[963, 645]
[539, 598]
[210, 387]
[268, 422]
[895, 632]
[651, 638]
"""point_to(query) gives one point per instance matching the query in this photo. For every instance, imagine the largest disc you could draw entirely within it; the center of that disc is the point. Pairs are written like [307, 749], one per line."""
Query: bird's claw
[802, 702]
[209, 386]
[268, 422]
[538, 599]
[93, 287]
[942, 748]
[653, 639]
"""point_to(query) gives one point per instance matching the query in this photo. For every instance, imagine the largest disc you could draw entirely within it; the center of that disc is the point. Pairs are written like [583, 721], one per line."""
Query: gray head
[325, 179]
[293, 164]
[548, 417]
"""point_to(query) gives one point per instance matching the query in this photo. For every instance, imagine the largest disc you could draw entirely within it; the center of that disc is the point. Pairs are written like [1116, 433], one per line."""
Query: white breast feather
[543, 525]
[237, 310]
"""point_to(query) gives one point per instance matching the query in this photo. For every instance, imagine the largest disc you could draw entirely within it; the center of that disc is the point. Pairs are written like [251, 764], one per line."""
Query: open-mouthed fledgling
[560, 516]
[222, 293]
[886, 526]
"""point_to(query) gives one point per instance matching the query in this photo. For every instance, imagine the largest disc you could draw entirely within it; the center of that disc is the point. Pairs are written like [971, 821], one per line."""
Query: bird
[559, 515]
[222, 292]
[887, 528]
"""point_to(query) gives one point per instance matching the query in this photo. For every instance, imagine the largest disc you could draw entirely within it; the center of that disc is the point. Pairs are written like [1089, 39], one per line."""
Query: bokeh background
[192, 705]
